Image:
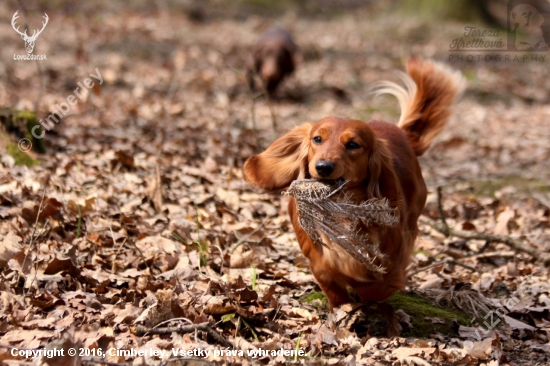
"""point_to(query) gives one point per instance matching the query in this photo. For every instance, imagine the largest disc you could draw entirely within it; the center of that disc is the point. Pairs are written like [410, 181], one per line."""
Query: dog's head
[273, 57]
[332, 148]
[273, 61]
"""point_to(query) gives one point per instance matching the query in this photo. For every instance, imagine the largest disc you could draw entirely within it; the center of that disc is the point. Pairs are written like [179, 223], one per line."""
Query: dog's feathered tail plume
[426, 100]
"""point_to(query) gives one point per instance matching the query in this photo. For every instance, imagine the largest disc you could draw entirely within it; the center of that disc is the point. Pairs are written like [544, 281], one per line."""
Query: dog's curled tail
[426, 101]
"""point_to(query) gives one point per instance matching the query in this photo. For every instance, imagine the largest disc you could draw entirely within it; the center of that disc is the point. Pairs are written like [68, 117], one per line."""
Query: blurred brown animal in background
[272, 59]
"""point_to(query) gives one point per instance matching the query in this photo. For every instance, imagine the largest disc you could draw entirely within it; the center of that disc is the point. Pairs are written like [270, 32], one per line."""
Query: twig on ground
[100, 361]
[430, 266]
[172, 320]
[460, 297]
[238, 326]
[36, 263]
[270, 106]
[440, 210]
[508, 254]
[484, 247]
[155, 189]
[141, 255]
[182, 329]
[511, 242]
[244, 238]
[444, 228]
[442, 263]
[268, 100]
[41, 208]
[541, 199]
[464, 265]
[253, 118]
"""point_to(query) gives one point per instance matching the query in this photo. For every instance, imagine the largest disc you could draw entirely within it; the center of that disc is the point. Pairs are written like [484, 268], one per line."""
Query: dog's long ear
[282, 162]
[382, 180]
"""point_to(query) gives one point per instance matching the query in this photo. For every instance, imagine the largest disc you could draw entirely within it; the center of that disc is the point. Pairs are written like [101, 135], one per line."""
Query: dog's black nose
[324, 168]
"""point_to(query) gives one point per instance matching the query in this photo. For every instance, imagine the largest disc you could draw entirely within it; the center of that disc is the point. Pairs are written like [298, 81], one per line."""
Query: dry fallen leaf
[411, 360]
[9, 247]
[404, 352]
[480, 350]
[303, 313]
[501, 227]
[62, 357]
[216, 305]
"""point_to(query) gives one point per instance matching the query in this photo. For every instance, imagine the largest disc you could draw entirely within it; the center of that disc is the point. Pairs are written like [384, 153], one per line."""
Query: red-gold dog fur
[379, 160]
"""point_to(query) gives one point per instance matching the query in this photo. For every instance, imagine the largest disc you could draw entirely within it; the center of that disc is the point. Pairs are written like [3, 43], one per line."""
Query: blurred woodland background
[132, 209]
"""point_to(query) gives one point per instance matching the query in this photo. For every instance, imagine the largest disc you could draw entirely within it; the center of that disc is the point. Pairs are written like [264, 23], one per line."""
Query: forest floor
[138, 214]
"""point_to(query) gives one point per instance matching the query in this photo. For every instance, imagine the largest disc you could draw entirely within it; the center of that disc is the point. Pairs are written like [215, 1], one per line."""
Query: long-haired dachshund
[273, 59]
[379, 160]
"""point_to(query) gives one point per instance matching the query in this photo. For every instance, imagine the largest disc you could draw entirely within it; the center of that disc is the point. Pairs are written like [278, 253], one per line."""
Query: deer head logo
[29, 41]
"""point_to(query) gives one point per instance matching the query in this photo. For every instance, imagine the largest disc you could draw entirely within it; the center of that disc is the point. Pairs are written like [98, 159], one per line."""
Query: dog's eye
[317, 140]
[352, 146]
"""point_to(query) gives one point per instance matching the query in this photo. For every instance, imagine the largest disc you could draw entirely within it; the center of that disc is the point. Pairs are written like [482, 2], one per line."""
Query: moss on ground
[7, 146]
[426, 253]
[31, 120]
[420, 309]
[20, 157]
[14, 126]
[416, 307]
[315, 295]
